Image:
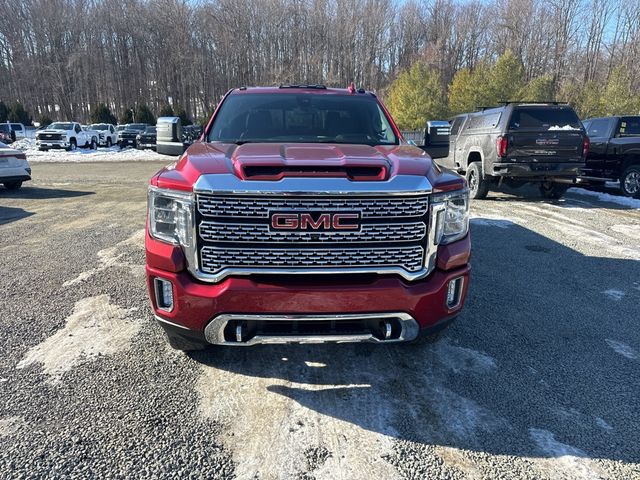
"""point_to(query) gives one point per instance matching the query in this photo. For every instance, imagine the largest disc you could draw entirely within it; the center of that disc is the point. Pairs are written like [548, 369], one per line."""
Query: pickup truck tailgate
[548, 146]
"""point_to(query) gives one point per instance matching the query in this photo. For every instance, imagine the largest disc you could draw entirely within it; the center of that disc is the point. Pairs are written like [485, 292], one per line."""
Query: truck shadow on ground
[39, 193]
[543, 362]
[11, 214]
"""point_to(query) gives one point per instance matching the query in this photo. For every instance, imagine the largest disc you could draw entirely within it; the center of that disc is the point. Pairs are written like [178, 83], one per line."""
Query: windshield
[5, 127]
[544, 119]
[150, 130]
[61, 126]
[136, 126]
[99, 126]
[302, 117]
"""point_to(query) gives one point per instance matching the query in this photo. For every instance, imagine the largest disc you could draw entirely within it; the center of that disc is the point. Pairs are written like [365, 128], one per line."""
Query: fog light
[454, 292]
[164, 294]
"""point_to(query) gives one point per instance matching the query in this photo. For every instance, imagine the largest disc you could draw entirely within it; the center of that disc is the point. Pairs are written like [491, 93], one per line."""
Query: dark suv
[7, 135]
[518, 143]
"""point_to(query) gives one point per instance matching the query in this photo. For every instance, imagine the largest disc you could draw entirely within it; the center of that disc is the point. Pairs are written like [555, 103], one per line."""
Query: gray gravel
[538, 378]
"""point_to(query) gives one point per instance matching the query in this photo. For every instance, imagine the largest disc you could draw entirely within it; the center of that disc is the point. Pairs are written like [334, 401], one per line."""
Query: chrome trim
[214, 331]
[229, 184]
[164, 320]
[432, 239]
[459, 289]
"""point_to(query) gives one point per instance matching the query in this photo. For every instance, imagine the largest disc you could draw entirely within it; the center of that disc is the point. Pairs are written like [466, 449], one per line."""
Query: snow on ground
[607, 197]
[113, 154]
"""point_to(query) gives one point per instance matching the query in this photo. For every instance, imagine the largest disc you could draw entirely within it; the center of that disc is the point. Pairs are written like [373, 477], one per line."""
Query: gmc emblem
[311, 221]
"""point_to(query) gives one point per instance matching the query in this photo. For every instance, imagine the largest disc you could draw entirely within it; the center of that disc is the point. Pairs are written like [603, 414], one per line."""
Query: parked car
[433, 139]
[614, 152]
[147, 139]
[7, 135]
[107, 134]
[518, 143]
[19, 130]
[191, 133]
[127, 136]
[67, 135]
[333, 228]
[14, 167]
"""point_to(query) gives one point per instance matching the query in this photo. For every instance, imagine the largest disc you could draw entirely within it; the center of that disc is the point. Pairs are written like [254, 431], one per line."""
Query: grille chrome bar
[214, 259]
[369, 233]
[260, 207]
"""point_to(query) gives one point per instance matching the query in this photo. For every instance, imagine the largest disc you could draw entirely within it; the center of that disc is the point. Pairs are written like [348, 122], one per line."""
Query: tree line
[61, 58]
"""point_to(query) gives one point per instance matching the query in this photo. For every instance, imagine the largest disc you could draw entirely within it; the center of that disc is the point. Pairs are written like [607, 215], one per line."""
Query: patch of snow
[623, 349]
[10, 425]
[601, 422]
[113, 154]
[614, 294]
[112, 257]
[565, 127]
[487, 221]
[607, 197]
[632, 231]
[566, 459]
[460, 359]
[96, 327]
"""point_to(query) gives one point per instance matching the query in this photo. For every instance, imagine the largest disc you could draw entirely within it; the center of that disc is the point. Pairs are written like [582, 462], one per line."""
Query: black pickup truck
[518, 143]
[614, 152]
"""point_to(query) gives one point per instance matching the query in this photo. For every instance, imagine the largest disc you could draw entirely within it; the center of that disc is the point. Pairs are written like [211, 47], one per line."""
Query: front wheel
[553, 191]
[630, 181]
[12, 185]
[94, 144]
[478, 185]
[109, 143]
[72, 145]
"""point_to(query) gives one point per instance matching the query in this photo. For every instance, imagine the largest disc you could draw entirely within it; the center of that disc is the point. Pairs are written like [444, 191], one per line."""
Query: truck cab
[615, 152]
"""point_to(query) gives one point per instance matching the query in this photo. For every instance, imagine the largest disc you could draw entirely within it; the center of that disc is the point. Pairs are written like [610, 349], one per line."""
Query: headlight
[170, 217]
[452, 223]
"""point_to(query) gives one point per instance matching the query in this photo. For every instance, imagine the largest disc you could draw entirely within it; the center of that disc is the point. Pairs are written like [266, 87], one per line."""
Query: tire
[94, 144]
[178, 342]
[553, 191]
[630, 181]
[12, 185]
[43, 149]
[72, 145]
[478, 185]
[109, 143]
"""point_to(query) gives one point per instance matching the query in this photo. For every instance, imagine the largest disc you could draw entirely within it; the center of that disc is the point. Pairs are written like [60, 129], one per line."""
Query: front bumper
[537, 171]
[52, 144]
[202, 310]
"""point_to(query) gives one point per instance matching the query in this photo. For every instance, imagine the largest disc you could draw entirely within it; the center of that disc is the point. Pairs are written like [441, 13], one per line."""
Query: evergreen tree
[4, 112]
[166, 111]
[126, 116]
[506, 79]
[470, 90]
[618, 98]
[539, 89]
[184, 118]
[417, 96]
[102, 114]
[144, 115]
[17, 114]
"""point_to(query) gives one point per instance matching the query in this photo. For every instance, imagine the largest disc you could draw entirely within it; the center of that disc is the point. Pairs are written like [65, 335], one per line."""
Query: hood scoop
[273, 162]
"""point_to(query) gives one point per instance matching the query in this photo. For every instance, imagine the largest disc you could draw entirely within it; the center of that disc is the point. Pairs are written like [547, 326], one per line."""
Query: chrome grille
[215, 259]
[235, 236]
[259, 207]
[369, 233]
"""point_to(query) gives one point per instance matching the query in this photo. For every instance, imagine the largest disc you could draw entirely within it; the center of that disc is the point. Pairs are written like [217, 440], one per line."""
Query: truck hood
[49, 130]
[273, 161]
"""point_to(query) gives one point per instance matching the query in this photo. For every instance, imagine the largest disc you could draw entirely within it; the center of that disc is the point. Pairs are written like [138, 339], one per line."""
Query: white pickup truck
[67, 135]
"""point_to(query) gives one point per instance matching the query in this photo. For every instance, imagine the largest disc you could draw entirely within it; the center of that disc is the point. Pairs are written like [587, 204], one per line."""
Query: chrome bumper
[393, 328]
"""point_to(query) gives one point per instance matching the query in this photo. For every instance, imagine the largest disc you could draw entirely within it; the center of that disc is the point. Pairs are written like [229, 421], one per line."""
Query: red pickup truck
[303, 216]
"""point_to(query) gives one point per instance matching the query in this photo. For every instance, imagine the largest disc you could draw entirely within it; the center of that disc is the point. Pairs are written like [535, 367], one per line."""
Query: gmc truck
[303, 216]
[516, 144]
[614, 152]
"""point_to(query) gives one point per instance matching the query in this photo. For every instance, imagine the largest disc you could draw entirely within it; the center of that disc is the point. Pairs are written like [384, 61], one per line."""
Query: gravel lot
[539, 377]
